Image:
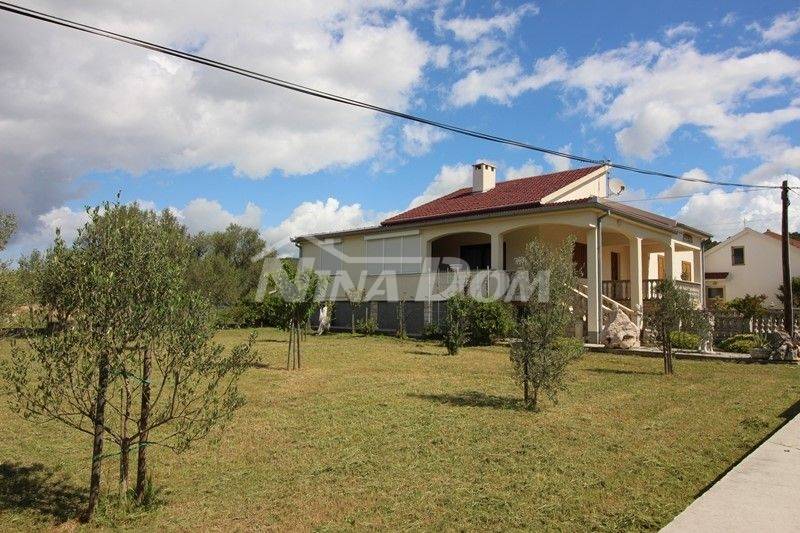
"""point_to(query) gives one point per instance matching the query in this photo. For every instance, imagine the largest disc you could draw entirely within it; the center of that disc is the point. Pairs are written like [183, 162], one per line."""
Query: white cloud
[525, 170]
[785, 159]
[419, 138]
[318, 217]
[647, 91]
[682, 188]
[684, 29]
[41, 235]
[654, 124]
[504, 81]
[559, 163]
[782, 27]
[472, 29]
[729, 19]
[206, 215]
[449, 179]
[73, 104]
[724, 213]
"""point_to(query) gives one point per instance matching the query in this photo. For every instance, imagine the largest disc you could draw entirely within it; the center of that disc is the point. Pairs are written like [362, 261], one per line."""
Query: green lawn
[382, 433]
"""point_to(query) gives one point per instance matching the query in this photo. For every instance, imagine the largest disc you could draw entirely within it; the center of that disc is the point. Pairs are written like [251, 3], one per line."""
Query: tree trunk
[297, 345]
[144, 421]
[525, 391]
[291, 347]
[99, 433]
[125, 442]
[124, 466]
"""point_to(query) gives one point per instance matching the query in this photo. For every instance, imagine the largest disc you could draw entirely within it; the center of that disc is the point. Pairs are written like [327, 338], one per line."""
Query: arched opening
[471, 248]
[515, 241]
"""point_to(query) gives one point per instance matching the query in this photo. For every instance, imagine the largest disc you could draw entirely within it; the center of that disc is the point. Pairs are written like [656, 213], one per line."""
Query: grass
[382, 433]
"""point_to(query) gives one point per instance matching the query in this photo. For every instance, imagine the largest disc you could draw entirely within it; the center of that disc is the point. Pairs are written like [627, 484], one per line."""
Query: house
[749, 263]
[476, 234]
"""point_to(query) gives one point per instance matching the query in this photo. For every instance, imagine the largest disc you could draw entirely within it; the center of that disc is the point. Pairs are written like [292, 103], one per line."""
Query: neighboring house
[620, 249]
[749, 263]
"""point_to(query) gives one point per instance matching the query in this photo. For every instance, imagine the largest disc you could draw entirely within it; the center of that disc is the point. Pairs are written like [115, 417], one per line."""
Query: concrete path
[762, 493]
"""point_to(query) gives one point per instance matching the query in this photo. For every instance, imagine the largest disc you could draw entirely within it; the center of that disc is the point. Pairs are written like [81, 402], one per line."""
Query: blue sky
[708, 89]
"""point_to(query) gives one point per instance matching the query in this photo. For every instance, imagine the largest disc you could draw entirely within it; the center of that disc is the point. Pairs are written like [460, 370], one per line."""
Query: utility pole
[788, 319]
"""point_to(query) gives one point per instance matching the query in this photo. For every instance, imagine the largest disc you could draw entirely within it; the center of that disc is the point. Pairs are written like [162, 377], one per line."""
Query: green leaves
[540, 354]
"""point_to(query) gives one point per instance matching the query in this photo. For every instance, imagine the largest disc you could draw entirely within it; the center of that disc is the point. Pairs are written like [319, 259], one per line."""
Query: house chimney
[483, 177]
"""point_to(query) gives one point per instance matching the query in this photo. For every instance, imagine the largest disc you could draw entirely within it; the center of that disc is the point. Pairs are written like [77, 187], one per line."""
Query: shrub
[684, 340]
[488, 321]
[431, 331]
[742, 343]
[455, 332]
[749, 305]
[367, 326]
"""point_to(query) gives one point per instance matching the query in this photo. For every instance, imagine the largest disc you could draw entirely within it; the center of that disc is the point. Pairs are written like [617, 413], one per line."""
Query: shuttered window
[400, 255]
[330, 257]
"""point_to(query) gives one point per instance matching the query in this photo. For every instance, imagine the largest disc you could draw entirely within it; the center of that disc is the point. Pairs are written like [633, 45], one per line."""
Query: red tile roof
[506, 195]
[792, 241]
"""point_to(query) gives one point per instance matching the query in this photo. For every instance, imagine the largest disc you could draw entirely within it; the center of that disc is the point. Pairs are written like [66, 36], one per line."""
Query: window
[400, 255]
[714, 292]
[686, 270]
[579, 258]
[737, 255]
[662, 272]
[330, 257]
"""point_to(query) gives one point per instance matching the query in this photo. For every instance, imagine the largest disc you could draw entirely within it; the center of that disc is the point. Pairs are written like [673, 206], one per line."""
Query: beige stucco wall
[516, 231]
[761, 272]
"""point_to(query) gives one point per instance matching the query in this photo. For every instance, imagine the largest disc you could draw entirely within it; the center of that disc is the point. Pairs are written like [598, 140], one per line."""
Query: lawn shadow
[421, 352]
[286, 341]
[622, 372]
[38, 488]
[473, 399]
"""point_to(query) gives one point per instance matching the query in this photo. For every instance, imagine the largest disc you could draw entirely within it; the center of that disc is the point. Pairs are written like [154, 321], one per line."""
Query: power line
[52, 19]
[677, 197]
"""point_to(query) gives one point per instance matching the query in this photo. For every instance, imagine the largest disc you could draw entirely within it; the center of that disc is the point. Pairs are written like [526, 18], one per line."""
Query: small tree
[540, 354]
[673, 310]
[401, 318]
[356, 297]
[123, 324]
[455, 326]
[8, 282]
[297, 294]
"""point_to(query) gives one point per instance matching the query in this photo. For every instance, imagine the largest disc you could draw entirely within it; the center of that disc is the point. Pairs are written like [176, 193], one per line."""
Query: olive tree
[673, 310]
[455, 326]
[129, 350]
[8, 285]
[298, 295]
[540, 354]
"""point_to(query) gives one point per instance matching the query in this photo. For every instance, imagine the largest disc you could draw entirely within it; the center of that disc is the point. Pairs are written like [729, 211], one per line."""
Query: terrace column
[636, 271]
[699, 275]
[593, 304]
[497, 252]
[669, 257]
